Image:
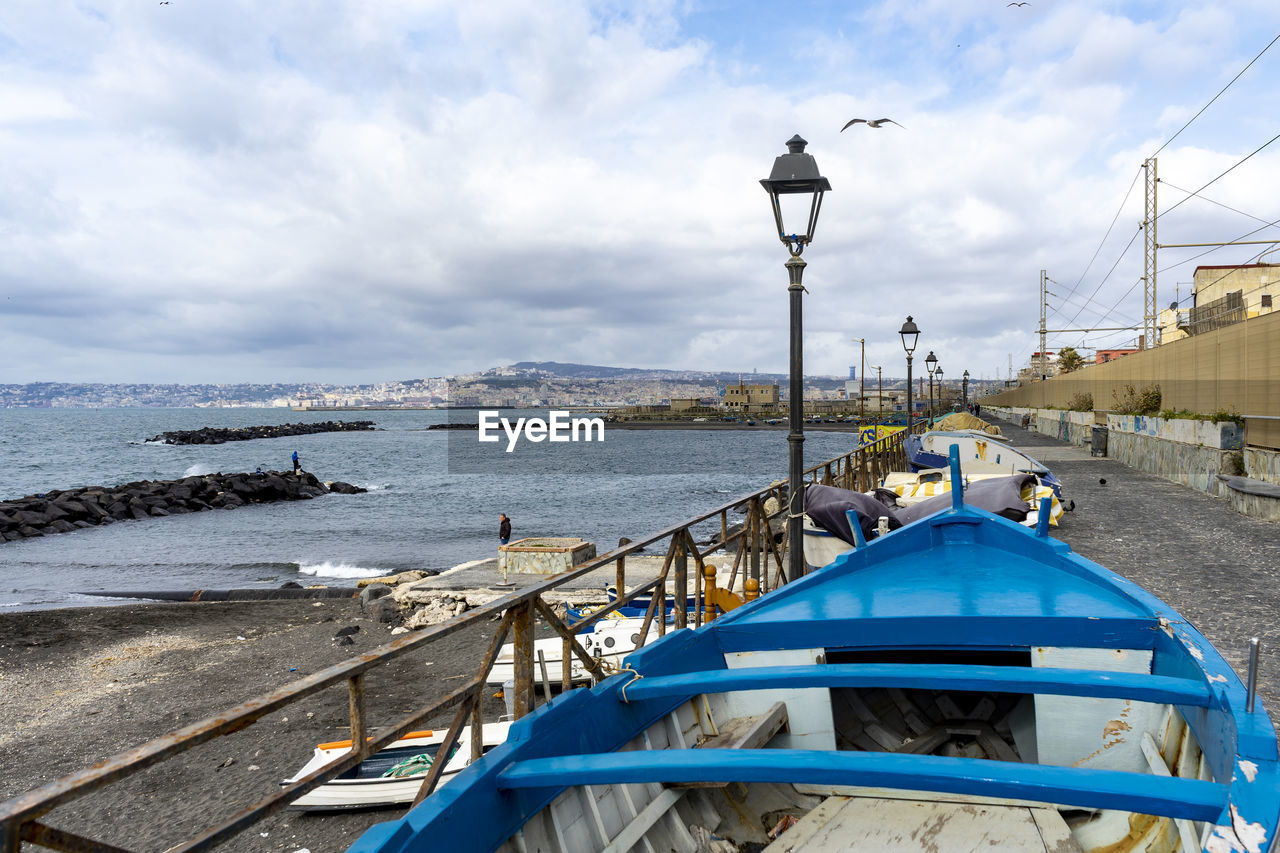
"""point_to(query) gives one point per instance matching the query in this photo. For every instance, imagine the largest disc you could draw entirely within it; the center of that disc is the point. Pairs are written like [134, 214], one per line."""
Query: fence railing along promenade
[756, 555]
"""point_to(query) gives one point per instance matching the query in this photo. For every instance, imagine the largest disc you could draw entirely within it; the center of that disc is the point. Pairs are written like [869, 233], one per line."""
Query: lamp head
[796, 174]
[931, 361]
[910, 334]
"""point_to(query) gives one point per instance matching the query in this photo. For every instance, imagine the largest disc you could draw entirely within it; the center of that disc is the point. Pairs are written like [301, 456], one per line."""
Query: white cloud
[357, 191]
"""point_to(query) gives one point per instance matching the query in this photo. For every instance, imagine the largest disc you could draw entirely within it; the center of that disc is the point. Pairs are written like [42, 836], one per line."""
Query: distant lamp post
[910, 335]
[965, 389]
[795, 176]
[862, 382]
[940, 404]
[931, 364]
[879, 396]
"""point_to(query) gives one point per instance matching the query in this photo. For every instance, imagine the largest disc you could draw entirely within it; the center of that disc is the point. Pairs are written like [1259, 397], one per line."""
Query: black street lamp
[939, 386]
[910, 334]
[795, 174]
[965, 392]
[931, 364]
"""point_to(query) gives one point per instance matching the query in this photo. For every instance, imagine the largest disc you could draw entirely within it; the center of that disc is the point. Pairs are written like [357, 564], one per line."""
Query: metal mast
[1149, 310]
[1043, 302]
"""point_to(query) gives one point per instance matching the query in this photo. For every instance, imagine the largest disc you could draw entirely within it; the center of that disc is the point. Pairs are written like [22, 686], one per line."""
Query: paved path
[1220, 569]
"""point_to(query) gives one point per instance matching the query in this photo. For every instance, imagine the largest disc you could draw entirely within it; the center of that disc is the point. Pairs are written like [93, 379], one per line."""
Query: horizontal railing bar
[1100, 684]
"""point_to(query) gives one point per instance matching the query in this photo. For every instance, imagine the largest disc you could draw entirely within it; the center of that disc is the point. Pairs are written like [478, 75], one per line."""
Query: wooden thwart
[742, 733]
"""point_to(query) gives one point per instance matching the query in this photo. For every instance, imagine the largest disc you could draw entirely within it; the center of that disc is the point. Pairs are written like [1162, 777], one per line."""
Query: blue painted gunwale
[993, 584]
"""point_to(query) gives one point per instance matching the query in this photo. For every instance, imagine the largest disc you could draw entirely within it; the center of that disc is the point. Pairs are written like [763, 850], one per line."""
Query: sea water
[433, 501]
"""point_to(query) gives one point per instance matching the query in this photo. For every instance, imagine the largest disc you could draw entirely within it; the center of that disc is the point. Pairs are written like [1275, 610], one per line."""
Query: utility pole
[1149, 309]
[1043, 303]
[862, 378]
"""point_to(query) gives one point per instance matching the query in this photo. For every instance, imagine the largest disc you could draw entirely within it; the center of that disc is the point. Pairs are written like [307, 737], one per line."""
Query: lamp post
[931, 364]
[910, 334]
[879, 396]
[939, 386]
[795, 174]
[965, 390]
[862, 380]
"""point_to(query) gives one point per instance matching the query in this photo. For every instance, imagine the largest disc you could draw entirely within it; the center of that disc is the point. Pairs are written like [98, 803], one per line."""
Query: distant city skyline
[344, 191]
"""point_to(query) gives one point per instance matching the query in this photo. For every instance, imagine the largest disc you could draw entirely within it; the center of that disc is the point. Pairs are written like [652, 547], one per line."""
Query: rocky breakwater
[74, 509]
[221, 435]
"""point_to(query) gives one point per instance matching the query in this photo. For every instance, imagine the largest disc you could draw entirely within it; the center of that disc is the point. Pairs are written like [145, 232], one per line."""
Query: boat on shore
[980, 453]
[960, 683]
[389, 777]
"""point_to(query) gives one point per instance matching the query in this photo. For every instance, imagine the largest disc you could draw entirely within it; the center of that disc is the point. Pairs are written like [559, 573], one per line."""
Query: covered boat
[979, 454]
[961, 683]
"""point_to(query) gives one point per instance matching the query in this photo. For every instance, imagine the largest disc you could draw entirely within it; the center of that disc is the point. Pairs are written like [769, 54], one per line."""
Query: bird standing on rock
[869, 122]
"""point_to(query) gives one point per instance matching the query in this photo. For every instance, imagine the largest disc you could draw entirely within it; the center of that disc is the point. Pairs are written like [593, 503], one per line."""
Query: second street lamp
[965, 390]
[931, 364]
[940, 386]
[910, 334]
[795, 174]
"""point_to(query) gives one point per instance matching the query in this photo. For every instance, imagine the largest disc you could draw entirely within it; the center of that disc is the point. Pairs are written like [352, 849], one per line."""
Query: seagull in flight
[871, 122]
[1024, 3]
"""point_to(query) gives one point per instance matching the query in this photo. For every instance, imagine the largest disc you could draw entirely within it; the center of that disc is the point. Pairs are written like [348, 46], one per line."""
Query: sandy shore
[80, 685]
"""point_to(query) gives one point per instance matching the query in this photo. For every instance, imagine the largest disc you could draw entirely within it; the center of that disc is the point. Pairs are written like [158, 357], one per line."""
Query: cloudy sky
[221, 190]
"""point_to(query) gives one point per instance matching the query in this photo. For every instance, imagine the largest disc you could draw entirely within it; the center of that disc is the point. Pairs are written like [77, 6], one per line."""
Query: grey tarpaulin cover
[826, 505]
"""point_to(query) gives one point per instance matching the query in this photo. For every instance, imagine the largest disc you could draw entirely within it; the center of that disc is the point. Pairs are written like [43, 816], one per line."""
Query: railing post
[621, 583]
[355, 707]
[477, 732]
[523, 629]
[566, 665]
[752, 590]
[682, 582]
[724, 527]
[709, 591]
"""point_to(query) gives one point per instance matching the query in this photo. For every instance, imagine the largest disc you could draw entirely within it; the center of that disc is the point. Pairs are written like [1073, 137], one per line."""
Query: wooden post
[621, 583]
[477, 732]
[709, 591]
[355, 706]
[523, 659]
[566, 665]
[681, 583]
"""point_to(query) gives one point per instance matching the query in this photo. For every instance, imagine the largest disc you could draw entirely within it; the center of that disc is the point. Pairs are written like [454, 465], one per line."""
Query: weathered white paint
[809, 716]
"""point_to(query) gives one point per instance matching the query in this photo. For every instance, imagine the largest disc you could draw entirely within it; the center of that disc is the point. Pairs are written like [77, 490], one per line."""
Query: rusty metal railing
[758, 556]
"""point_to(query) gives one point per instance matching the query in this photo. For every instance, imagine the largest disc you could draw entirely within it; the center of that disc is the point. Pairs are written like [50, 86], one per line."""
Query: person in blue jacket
[297, 466]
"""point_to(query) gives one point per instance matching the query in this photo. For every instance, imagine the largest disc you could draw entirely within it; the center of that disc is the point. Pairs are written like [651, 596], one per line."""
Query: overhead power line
[1219, 95]
[1237, 164]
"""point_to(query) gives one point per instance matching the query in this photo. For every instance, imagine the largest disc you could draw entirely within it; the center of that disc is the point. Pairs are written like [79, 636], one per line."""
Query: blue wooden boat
[961, 683]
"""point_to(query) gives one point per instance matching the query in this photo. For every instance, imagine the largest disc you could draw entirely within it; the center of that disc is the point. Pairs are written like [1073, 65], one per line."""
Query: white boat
[608, 641]
[374, 784]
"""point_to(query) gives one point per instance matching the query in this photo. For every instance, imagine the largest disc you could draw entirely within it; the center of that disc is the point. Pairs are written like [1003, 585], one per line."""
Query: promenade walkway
[1220, 569]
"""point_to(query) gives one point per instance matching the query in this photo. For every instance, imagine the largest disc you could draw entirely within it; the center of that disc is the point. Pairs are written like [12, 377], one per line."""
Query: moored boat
[960, 683]
[391, 776]
[979, 454]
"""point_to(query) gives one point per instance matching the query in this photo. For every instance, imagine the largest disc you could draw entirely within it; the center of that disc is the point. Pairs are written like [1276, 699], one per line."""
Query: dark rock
[216, 435]
[373, 591]
[345, 488]
[347, 631]
[291, 585]
[384, 610]
[343, 641]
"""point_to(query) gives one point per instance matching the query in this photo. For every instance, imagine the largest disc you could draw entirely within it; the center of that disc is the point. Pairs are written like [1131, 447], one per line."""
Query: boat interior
[961, 684]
